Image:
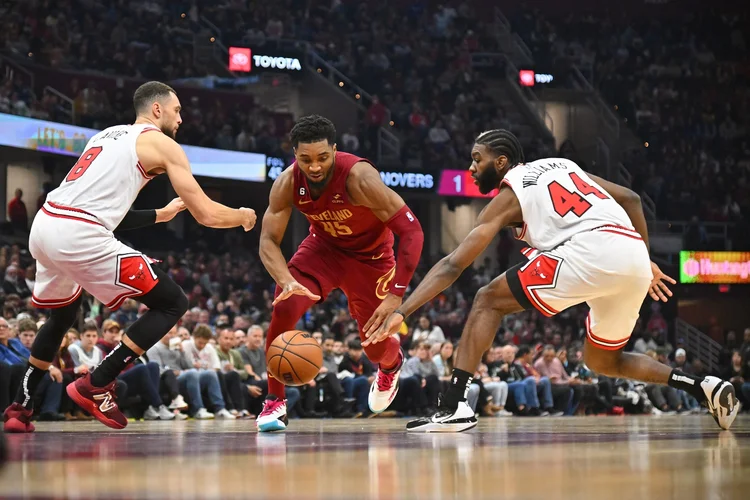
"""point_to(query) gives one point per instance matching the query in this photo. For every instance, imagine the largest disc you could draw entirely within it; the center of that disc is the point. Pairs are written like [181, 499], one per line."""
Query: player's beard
[488, 180]
[169, 132]
[322, 183]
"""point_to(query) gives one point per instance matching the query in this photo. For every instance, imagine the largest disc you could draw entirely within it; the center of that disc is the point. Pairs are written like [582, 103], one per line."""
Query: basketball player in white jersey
[589, 244]
[73, 243]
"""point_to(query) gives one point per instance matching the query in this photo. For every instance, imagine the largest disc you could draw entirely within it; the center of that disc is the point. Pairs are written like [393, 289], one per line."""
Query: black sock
[31, 378]
[458, 390]
[113, 364]
[688, 383]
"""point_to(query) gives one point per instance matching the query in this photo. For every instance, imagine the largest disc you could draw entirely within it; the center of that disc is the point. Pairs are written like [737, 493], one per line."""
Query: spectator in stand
[170, 355]
[233, 369]
[202, 356]
[554, 399]
[444, 361]
[427, 332]
[239, 338]
[13, 357]
[522, 389]
[254, 357]
[423, 368]
[141, 379]
[17, 214]
[27, 332]
[665, 399]
[356, 374]
[64, 362]
[739, 375]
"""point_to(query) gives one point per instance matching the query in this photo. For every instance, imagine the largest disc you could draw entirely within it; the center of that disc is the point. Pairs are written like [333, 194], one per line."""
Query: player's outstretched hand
[659, 290]
[389, 327]
[389, 304]
[169, 212]
[295, 288]
[250, 218]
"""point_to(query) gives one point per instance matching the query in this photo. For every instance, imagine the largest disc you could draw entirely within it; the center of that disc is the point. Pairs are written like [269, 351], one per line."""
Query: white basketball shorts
[608, 268]
[73, 250]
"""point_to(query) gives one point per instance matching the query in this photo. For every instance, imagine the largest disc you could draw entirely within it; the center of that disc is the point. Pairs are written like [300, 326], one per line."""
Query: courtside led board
[715, 267]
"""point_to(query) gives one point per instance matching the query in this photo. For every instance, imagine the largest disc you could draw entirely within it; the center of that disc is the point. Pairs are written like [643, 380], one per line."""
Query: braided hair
[503, 142]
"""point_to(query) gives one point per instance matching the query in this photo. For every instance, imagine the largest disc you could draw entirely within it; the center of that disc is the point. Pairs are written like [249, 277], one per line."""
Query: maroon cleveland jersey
[335, 220]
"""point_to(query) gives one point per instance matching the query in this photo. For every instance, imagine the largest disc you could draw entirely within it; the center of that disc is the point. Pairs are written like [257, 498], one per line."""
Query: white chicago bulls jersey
[559, 200]
[106, 179]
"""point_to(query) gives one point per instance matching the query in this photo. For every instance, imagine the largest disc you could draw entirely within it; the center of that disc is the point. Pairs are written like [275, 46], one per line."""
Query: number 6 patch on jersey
[526, 280]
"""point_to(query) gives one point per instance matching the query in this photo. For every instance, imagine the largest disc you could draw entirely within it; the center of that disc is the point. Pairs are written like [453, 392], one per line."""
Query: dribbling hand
[659, 290]
[248, 219]
[294, 288]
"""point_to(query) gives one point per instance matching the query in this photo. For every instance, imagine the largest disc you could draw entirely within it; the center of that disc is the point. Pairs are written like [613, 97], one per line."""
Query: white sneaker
[721, 401]
[384, 388]
[151, 413]
[165, 414]
[445, 420]
[178, 403]
[223, 413]
[273, 417]
[503, 413]
[203, 414]
[180, 416]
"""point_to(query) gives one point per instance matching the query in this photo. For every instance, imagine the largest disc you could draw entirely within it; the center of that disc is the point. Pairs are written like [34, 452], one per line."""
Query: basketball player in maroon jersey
[353, 217]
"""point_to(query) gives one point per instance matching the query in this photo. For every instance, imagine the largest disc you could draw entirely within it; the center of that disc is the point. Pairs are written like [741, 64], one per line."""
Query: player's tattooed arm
[629, 201]
[501, 211]
[275, 221]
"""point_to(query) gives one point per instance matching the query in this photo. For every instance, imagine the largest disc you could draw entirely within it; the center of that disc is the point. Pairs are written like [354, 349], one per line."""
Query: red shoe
[18, 419]
[100, 402]
[617, 410]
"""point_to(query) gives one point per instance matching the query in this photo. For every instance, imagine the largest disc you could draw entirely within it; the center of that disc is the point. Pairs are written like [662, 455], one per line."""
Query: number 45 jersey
[106, 179]
[558, 200]
[335, 220]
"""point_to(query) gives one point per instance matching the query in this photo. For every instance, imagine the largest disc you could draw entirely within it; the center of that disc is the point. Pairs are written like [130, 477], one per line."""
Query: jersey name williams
[532, 174]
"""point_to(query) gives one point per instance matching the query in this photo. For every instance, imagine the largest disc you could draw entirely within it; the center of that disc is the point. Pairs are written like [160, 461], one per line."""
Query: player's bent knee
[601, 361]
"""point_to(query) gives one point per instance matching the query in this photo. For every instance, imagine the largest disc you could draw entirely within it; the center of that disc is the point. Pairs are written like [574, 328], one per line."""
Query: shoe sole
[272, 426]
[15, 426]
[91, 408]
[390, 400]
[432, 427]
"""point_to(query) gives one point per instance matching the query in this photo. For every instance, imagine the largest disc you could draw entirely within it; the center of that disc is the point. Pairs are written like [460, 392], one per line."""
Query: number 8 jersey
[558, 200]
[106, 179]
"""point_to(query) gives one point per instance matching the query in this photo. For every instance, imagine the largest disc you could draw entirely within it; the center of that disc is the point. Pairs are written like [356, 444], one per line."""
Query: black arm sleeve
[137, 218]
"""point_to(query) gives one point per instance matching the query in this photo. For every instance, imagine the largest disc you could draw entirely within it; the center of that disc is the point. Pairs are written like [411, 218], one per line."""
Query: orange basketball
[294, 358]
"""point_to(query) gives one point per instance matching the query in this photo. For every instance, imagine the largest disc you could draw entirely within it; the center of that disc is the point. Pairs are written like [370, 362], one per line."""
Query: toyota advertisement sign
[247, 60]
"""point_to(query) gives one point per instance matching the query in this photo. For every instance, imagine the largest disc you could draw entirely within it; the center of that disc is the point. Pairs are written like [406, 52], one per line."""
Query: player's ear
[334, 148]
[501, 162]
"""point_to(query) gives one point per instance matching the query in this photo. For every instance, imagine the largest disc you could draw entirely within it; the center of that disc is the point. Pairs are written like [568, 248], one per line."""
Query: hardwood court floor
[581, 458]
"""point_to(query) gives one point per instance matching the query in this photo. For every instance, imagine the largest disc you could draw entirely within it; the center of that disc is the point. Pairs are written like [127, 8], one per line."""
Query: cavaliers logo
[382, 288]
[337, 198]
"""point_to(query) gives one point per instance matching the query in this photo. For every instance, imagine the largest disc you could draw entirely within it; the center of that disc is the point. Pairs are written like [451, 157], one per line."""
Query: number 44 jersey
[558, 200]
[107, 177]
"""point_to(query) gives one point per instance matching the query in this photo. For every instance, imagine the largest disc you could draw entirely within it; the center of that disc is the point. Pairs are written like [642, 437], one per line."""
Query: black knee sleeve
[166, 304]
[50, 335]
[166, 296]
